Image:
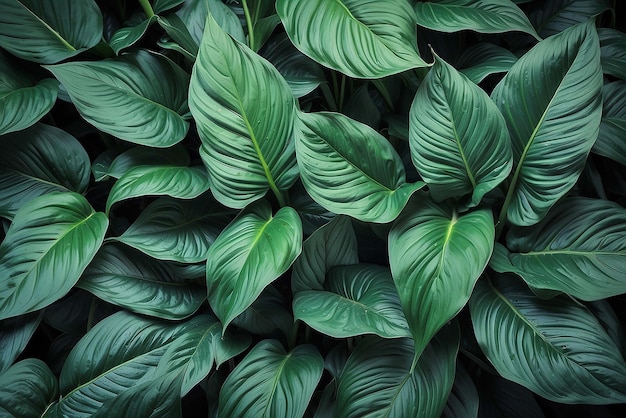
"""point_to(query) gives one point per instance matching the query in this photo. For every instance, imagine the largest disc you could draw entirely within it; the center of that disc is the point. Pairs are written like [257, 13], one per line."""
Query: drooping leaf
[32, 30]
[555, 348]
[26, 389]
[362, 39]
[463, 401]
[611, 141]
[125, 96]
[483, 59]
[552, 102]
[436, 257]
[244, 111]
[250, 253]
[129, 35]
[51, 241]
[136, 156]
[15, 333]
[457, 152]
[613, 52]
[270, 382]
[553, 17]
[194, 14]
[349, 168]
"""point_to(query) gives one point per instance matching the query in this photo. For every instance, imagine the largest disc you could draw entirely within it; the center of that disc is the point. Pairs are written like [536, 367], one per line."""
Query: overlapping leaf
[463, 400]
[484, 59]
[194, 12]
[611, 141]
[116, 167]
[15, 333]
[26, 389]
[613, 52]
[552, 17]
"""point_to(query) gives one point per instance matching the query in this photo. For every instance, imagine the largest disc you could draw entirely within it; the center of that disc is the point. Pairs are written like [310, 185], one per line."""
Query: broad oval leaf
[39, 160]
[455, 151]
[552, 17]
[361, 299]
[250, 253]
[579, 249]
[483, 59]
[611, 141]
[32, 30]
[555, 348]
[15, 333]
[270, 382]
[360, 38]
[436, 257]
[126, 96]
[349, 168]
[244, 112]
[53, 236]
[552, 102]
[26, 389]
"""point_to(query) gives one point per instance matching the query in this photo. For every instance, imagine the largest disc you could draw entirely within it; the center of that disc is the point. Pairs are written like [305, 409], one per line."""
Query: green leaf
[174, 181]
[436, 256]
[270, 382]
[267, 314]
[611, 141]
[32, 30]
[244, 112]
[483, 16]
[194, 14]
[176, 29]
[128, 36]
[463, 400]
[361, 299]
[136, 156]
[483, 59]
[579, 249]
[378, 380]
[53, 236]
[177, 230]
[160, 6]
[26, 389]
[613, 52]
[555, 348]
[129, 279]
[552, 102]
[15, 333]
[362, 39]
[349, 168]
[70, 315]
[37, 161]
[457, 152]
[555, 16]
[250, 253]
[125, 96]
[313, 215]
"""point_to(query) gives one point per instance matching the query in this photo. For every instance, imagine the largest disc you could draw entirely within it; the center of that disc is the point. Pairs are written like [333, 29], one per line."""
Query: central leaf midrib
[275, 381]
[57, 35]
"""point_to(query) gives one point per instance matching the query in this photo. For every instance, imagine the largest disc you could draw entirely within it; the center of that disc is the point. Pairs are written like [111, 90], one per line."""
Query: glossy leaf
[15, 333]
[26, 389]
[125, 96]
[611, 141]
[613, 52]
[457, 152]
[552, 102]
[250, 253]
[32, 30]
[555, 348]
[362, 39]
[53, 236]
[436, 257]
[349, 168]
[270, 382]
[484, 59]
[553, 17]
[136, 156]
[129, 35]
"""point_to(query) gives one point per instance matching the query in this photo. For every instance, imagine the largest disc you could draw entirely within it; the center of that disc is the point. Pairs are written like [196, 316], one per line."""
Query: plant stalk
[147, 8]
[246, 12]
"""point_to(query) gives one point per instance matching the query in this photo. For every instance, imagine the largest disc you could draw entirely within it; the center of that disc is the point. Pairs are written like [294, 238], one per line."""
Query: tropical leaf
[270, 382]
[555, 348]
[71, 315]
[175, 28]
[613, 52]
[553, 17]
[26, 389]
[194, 15]
[15, 333]
[136, 156]
[267, 314]
[349, 168]
[483, 59]
[463, 401]
[611, 141]
[53, 236]
[552, 102]
[313, 215]
[160, 6]
[129, 35]
[362, 39]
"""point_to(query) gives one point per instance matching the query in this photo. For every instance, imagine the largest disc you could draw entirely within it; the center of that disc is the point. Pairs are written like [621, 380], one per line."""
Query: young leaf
[15, 333]
[27, 388]
[362, 39]
[611, 141]
[53, 236]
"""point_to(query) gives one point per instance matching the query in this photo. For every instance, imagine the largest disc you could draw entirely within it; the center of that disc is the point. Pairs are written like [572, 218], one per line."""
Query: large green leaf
[360, 299]
[613, 52]
[26, 389]
[33, 30]
[349, 168]
[551, 17]
[455, 151]
[15, 333]
[611, 141]
[579, 249]
[552, 102]
[194, 14]
[360, 38]
[555, 348]
[126, 96]
[378, 380]
[46, 249]
[129, 279]
[39, 160]
[244, 111]
[436, 256]
[270, 382]
[483, 59]
[250, 253]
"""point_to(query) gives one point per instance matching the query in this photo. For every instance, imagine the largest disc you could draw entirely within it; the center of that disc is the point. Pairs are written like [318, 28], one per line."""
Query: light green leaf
[360, 299]
[613, 52]
[483, 59]
[26, 389]
[37, 161]
[129, 35]
[555, 16]
[194, 14]
[362, 39]
[349, 168]
[579, 249]
[463, 401]
[32, 30]
[457, 152]
[555, 348]
[270, 382]
[611, 141]
[552, 102]
[250, 253]
[136, 156]
[53, 236]
[126, 96]
[244, 111]
[436, 256]
[15, 333]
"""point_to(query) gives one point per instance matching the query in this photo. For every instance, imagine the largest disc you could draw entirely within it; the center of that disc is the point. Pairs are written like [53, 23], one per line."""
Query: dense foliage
[312, 208]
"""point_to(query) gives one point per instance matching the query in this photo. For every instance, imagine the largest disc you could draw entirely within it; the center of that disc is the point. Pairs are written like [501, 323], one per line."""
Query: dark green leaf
[483, 59]
[501, 398]
[611, 141]
[613, 52]
[136, 156]
[26, 389]
[267, 314]
[551, 17]
[15, 333]
[160, 6]
[128, 36]
[463, 400]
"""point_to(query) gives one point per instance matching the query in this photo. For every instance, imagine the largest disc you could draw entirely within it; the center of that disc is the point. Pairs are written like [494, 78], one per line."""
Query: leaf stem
[246, 12]
[147, 8]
